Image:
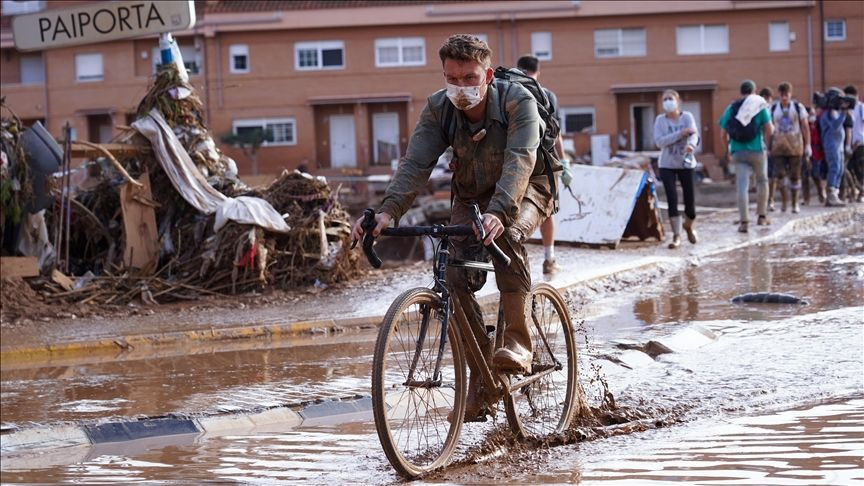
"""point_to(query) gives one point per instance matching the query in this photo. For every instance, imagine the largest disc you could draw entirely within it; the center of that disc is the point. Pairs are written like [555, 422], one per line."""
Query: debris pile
[166, 219]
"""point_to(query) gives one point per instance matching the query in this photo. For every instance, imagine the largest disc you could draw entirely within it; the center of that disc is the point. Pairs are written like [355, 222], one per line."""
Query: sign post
[100, 22]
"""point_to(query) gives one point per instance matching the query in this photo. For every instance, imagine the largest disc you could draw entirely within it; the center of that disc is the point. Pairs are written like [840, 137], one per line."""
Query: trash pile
[160, 215]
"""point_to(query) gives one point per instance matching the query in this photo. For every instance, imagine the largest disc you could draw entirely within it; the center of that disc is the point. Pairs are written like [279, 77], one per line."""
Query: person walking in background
[833, 137]
[818, 166]
[745, 125]
[530, 65]
[856, 144]
[789, 144]
[768, 95]
[676, 134]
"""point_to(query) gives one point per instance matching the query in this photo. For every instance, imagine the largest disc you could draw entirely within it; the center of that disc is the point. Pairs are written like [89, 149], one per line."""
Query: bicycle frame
[499, 383]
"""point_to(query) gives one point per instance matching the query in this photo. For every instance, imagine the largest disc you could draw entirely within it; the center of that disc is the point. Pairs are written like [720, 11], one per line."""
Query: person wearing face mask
[495, 143]
[676, 134]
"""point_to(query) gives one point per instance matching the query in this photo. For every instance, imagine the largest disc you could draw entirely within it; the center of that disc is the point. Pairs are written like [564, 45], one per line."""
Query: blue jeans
[834, 157]
[745, 161]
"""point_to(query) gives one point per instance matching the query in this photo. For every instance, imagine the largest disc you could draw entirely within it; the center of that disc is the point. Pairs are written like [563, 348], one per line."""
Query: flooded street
[770, 393]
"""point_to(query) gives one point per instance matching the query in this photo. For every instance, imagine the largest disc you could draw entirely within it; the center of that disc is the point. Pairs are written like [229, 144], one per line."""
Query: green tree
[249, 140]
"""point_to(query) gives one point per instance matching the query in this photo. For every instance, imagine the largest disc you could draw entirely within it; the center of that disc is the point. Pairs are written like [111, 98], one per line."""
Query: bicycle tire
[546, 406]
[417, 440]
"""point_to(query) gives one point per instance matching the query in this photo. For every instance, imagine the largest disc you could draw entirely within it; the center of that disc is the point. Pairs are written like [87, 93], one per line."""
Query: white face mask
[812, 119]
[670, 105]
[464, 97]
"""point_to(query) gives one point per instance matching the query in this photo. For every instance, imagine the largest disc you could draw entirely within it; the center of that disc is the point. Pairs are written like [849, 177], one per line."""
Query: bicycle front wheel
[546, 405]
[417, 413]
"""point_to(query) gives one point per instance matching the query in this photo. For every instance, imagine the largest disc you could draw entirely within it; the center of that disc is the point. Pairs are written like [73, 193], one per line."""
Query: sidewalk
[361, 304]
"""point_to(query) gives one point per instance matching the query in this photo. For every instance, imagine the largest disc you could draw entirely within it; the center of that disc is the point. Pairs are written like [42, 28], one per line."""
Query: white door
[343, 152]
[385, 135]
[694, 108]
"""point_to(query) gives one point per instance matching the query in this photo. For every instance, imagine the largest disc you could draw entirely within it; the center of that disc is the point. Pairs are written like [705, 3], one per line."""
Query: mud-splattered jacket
[496, 172]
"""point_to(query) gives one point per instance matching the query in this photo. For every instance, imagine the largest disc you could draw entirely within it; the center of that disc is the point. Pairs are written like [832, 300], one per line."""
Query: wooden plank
[19, 267]
[141, 247]
[82, 151]
[62, 280]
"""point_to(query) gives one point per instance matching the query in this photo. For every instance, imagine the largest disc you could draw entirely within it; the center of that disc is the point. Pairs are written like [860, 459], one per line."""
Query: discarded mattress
[193, 187]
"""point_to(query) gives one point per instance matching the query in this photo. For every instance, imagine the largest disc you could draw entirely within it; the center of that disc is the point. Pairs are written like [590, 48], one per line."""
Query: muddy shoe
[742, 227]
[692, 237]
[550, 267]
[762, 220]
[675, 243]
[512, 361]
[475, 404]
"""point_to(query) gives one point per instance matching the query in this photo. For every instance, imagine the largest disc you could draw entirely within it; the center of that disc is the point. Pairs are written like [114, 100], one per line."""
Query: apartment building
[341, 84]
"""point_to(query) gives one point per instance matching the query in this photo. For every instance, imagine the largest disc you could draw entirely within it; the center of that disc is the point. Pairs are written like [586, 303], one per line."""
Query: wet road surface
[777, 397]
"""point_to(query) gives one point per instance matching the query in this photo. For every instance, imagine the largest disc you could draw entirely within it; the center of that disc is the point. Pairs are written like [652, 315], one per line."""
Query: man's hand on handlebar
[492, 226]
[382, 221]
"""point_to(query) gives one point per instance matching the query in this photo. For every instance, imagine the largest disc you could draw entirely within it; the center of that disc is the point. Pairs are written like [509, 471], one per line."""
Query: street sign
[100, 22]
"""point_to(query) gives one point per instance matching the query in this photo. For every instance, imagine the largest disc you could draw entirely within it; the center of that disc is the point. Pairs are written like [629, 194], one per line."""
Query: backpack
[504, 78]
[737, 131]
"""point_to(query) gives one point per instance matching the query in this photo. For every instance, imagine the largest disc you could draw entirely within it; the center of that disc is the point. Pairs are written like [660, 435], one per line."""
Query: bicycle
[418, 375]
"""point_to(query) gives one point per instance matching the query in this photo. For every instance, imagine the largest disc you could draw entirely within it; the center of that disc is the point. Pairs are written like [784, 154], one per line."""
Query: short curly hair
[466, 47]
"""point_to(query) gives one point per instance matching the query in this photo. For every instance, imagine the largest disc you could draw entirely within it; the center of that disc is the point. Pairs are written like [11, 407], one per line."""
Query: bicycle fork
[443, 312]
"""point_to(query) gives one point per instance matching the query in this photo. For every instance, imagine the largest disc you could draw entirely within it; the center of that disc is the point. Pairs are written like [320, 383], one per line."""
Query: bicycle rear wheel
[546, 405]
[411, 406]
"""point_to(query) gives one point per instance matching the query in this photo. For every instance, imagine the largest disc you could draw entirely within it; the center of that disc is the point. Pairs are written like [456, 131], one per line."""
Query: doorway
[642, 126]
[385, 135]
[100, 128]
[343, 151]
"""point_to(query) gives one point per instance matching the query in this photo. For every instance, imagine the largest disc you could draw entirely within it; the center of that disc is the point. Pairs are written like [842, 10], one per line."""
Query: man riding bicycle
[495, 165]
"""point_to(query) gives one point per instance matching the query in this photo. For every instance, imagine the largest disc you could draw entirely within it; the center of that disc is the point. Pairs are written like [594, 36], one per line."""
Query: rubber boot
[515, 354]
[822, 192]
[691, 233]
[675, 221]
[834, 198]
[772, 185]
[796, 208]
[783, 198]
[476, 407]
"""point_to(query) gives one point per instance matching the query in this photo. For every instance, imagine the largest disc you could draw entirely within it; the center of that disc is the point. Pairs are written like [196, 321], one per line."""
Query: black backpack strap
[448, 121]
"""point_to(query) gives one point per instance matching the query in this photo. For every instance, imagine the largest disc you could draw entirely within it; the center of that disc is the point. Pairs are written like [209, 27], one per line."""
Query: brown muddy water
[776, 398]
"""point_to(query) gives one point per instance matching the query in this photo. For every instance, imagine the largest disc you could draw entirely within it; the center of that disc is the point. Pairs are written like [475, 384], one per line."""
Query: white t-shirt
[858, 123]
[788, 120]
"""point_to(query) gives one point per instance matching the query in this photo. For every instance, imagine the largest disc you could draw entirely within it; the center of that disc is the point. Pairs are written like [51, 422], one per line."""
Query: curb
[125, 344]
[38, 439]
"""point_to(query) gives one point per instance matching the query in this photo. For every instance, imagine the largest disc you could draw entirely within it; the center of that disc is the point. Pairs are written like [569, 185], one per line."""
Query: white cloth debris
[191, 184]
[752, 105]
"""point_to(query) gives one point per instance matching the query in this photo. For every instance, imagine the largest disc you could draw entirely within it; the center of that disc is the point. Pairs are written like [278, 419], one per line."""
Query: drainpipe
[810, 53]
[513, 42]
[219, 92]
[206, 79]
[47, 102]
[822, 41]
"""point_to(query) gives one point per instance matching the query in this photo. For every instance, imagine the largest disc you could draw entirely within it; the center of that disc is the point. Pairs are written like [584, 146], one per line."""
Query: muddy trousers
[514, 282]
[745, 161]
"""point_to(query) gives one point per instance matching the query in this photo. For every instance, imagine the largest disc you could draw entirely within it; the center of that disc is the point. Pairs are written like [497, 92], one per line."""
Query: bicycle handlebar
[368, 226]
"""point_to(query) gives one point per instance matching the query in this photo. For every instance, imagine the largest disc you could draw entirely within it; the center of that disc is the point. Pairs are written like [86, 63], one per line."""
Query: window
[88, 67]
[18, 7]
[191, 59]
[619, 42]
[835, 30]
[400, 51]
[319, 55]
[284, 130]
[778, 36]
[32, 69]
[238, 58]
[577, 120]
[702, 39]
[541, 45]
